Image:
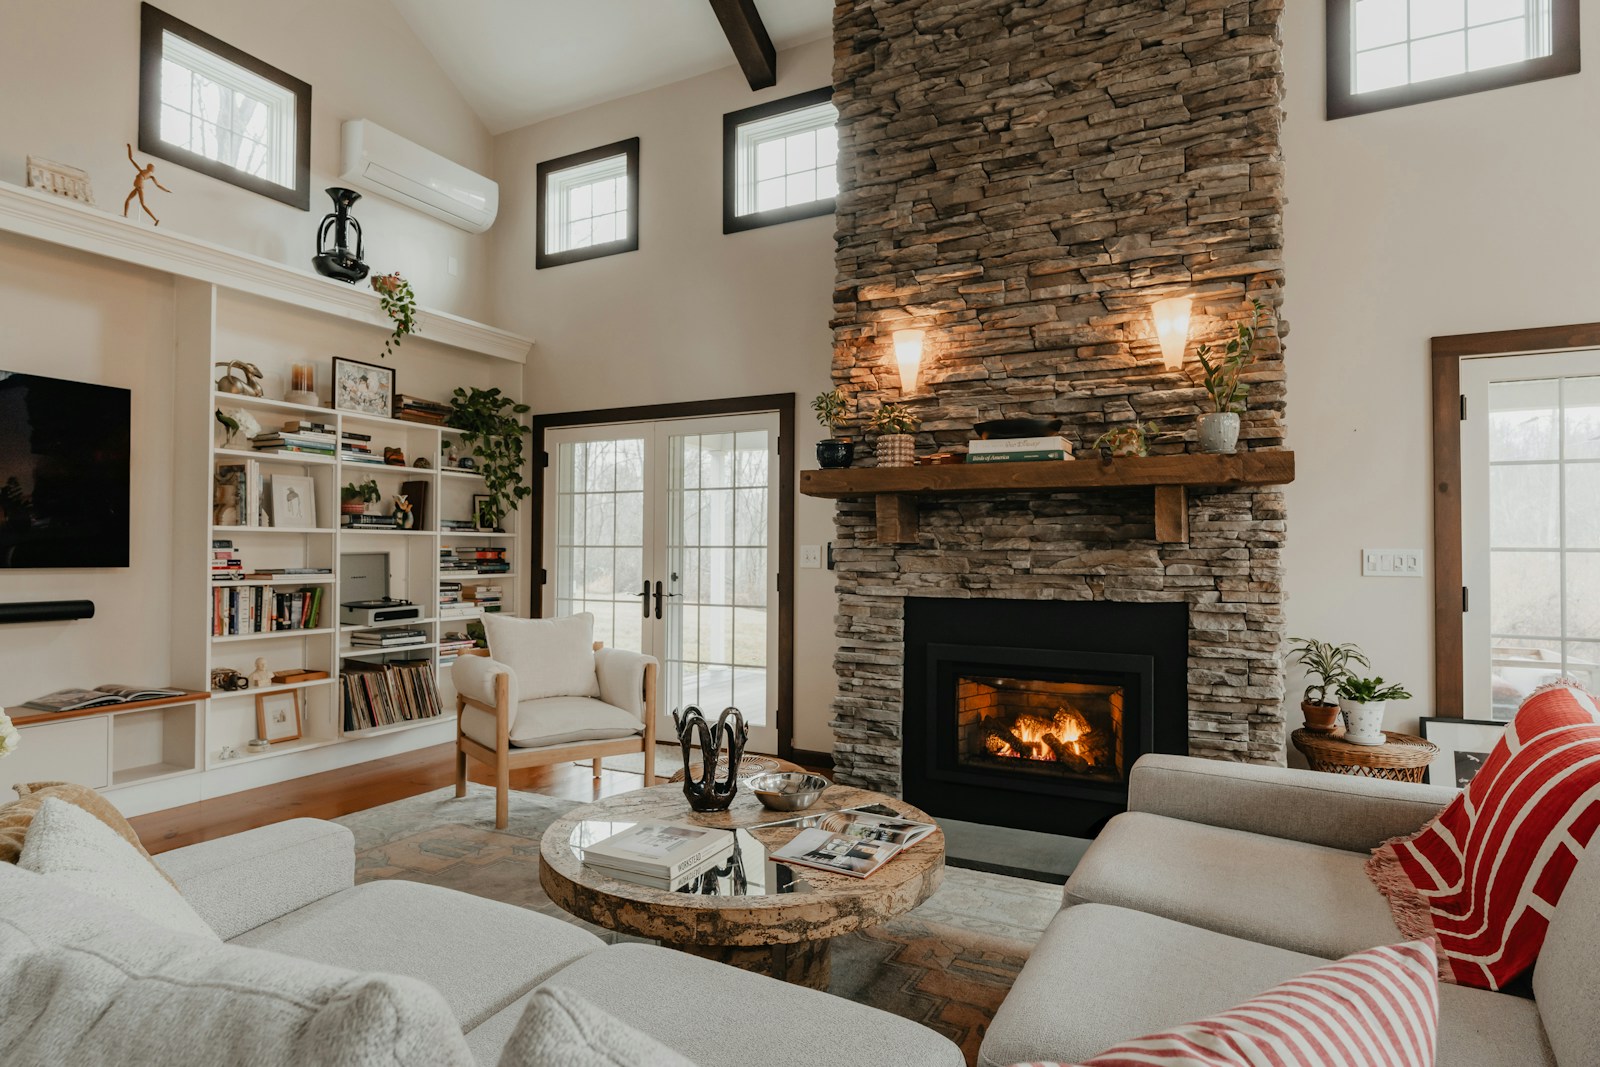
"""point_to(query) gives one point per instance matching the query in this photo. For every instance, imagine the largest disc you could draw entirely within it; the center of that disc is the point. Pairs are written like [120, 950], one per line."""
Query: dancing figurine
[147, 173]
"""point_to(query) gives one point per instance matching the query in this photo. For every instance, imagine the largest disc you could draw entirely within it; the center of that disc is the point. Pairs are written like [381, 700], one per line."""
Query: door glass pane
[1522, 420]
[1525, 505]
[599, 551]
[1581, 418]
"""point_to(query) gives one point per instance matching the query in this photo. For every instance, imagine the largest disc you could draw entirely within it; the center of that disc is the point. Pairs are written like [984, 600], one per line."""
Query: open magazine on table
[855, 843]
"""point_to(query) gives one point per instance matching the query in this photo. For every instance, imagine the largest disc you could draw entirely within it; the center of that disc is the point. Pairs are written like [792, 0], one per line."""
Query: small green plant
[488, 422]
[1130, 440]
[400, 304]
[832, 409]
[366, 492]
[1328, 663]
[1222, 377]
[894, 418]
[1370, 690]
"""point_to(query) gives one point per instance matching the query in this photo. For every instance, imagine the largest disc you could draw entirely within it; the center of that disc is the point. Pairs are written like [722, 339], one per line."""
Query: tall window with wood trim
[588, 204]
[780, 161]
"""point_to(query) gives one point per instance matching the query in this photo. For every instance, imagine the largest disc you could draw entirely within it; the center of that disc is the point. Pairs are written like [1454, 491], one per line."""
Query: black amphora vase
[339, 261]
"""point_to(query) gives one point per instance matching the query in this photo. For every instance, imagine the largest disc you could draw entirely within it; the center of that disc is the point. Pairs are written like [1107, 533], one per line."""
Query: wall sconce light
[1172, 327]
[908, 354]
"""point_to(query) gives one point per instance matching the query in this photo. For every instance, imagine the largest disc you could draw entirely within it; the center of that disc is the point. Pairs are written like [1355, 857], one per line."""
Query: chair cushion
[561, 1029]
[559, 720]
[1306, 898]
[69, 846]
[550, 657]
[481, 954]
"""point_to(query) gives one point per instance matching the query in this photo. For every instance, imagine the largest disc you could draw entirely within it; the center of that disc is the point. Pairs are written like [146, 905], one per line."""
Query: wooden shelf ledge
[26, 716]
[1170, 477]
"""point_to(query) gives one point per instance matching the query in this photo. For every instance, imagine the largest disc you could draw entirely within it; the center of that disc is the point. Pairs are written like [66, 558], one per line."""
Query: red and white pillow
[1484, 877]
[1377, 1008]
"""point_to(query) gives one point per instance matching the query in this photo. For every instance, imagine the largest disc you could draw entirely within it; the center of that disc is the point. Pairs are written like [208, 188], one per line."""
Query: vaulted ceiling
[520, 61]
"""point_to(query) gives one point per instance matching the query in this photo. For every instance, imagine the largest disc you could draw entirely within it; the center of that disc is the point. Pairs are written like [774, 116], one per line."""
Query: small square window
[588, 204]
[208, 106]
[780, 161]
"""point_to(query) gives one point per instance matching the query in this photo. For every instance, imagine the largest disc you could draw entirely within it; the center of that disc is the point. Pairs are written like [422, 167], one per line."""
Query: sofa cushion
[16, 816]
[561, 1029]
[1567, 978]
[1306, 898]
[480, 954]
[550, 657]
[71, 847]
[720, 1016]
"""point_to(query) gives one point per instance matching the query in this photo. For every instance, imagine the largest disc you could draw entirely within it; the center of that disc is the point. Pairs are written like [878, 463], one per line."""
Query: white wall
[69, 76]
[693, 314]
[1472, 214]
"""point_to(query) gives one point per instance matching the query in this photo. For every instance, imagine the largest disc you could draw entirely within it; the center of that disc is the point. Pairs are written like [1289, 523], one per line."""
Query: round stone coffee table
[773, 919]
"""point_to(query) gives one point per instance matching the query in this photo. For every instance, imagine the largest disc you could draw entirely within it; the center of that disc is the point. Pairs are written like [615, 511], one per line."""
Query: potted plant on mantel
[896, 446]
[1363, 701]
[1327, 665]
[354, 498]
[1218, 431]
[832, 408]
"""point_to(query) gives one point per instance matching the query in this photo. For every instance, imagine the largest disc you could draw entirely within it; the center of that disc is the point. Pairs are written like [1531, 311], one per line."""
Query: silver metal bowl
[788, 790]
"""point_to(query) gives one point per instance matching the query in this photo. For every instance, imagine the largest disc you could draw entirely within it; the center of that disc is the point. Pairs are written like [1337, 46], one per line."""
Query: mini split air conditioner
[387, 164]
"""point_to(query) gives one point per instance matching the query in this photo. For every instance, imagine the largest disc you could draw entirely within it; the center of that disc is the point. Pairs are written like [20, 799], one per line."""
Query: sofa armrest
[1340, 811]
[473, 677]
[237, 883]
[623, 678]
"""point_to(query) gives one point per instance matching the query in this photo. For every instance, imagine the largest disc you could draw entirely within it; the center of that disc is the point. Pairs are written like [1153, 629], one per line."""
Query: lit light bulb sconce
[908, 356]
[1172, 328]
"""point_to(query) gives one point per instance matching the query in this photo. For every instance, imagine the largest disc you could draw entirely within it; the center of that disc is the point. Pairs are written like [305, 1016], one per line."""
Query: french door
[668, 532]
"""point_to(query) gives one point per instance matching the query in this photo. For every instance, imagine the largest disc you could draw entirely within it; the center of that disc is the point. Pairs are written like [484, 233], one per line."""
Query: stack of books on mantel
[663, 855]
[1019, 450]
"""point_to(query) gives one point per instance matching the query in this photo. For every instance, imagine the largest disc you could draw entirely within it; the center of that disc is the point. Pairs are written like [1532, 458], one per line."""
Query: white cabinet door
[75, 751]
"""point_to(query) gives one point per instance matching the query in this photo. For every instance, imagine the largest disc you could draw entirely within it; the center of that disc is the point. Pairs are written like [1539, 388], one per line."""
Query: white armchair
[514, 712]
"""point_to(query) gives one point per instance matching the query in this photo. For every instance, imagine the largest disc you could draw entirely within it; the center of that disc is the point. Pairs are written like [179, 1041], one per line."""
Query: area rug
[947, 965]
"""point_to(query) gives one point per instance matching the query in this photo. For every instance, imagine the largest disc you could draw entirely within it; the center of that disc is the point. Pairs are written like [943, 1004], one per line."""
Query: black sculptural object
[706, 790]
[339, 262]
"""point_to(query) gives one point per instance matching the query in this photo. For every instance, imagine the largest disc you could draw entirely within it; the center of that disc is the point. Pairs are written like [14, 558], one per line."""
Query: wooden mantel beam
[742, 25]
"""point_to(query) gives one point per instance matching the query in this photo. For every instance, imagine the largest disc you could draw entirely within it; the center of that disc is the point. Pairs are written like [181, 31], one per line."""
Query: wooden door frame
[784, 405]
[1448, 589]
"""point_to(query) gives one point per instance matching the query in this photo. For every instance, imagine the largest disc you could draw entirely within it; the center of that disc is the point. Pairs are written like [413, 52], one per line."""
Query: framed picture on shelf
[1463, 746]
[294, 501]
[482, 513]
[363, 388]
[278, 716]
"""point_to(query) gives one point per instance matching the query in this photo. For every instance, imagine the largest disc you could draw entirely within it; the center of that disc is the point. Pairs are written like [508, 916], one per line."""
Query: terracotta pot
[1363, 723]
[834, 454]
[1320, 718]
[352, 507]
[1218, 432]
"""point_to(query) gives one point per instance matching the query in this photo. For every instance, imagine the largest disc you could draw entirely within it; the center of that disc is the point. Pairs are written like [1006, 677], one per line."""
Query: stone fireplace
[1022, 181]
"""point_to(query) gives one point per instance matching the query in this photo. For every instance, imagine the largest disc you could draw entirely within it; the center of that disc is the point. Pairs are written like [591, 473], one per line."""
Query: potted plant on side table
[1363, 700]
[1218, 430]
[1327, 665]
[832, 408]
[896, 446]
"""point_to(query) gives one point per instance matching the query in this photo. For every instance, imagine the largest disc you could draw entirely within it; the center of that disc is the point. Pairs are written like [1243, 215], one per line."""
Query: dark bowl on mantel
[1004, 429]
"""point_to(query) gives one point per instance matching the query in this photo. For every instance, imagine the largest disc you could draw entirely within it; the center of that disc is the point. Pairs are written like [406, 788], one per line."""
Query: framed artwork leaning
[278, 716]
[294, 501]
[1463, 746]
[363, 388]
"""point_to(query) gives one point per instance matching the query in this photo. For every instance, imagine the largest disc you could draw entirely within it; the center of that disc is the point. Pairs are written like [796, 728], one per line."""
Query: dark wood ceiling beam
[741, 24]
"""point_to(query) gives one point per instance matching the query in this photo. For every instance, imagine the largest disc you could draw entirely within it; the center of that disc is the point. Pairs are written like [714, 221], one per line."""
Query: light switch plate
[811, 556]
[1391, 562]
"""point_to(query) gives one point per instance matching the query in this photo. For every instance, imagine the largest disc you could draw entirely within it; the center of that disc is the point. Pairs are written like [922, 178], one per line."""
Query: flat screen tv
[63, 473]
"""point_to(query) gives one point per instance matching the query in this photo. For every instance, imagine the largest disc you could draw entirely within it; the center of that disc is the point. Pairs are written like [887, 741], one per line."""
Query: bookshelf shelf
[282, 748]
[357, 653]
[397, 727]
[287, 579]
[350, 628]
[298, 459]
[150, 772]
[261, 403]
[220, 695]
[270, 635]
[234, 531]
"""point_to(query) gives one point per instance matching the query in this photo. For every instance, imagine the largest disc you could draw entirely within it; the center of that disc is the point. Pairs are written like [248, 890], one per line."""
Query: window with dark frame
[780, 161]
[1385, 54]
[588, 205]
[210, 107]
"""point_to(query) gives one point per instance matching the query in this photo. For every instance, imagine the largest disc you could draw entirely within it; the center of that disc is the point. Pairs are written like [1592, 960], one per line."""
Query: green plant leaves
[486, 420]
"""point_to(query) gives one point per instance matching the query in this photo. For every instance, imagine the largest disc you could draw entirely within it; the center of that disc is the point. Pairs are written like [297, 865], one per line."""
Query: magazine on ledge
[100, 696]
[855, 843]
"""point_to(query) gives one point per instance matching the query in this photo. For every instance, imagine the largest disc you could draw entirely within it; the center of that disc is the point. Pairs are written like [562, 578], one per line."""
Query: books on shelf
[659, 850]
[853, 843]
[264, 609]
[99, 696]
[383, 694]
[397, 636]
[417, 409]
[1019, 450]
[238, 495]
[314, 442]
[452, 645]
[1035, 456]
[472, 559]
[368, 522]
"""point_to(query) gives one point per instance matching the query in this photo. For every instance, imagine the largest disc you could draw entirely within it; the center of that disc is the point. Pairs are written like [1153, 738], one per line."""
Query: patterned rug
[947, 965]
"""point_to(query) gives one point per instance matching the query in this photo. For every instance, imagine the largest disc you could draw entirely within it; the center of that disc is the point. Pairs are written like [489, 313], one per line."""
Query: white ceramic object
[1218, 432]
[1363, 723]
[897, 450]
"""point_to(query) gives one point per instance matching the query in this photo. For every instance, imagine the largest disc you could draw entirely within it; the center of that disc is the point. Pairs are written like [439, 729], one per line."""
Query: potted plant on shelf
[487, 422]
[1327, 665]
[896, 445]
[400, 304]
[354, 498]
[1130, 440]
[1219, 429]
[1362, 700]
[832, 408]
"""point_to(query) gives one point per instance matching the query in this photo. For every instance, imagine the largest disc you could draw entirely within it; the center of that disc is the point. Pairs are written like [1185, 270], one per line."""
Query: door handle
[644, 599]
[658, 600]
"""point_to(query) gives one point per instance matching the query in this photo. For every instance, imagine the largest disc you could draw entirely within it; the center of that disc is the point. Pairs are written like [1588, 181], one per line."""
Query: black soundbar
[47, 611]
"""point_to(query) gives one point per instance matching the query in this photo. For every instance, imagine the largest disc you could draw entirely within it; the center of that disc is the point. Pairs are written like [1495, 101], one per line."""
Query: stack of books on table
[662, 855]
[311, 442]
[1019, 450]
[416, 409]
[395, 637]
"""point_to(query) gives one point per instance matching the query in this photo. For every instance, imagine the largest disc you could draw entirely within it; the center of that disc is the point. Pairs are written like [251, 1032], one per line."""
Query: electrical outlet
[811, 556]
[1391, 562]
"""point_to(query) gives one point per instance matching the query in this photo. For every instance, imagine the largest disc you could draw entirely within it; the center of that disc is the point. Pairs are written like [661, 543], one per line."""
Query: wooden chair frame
[505, 757]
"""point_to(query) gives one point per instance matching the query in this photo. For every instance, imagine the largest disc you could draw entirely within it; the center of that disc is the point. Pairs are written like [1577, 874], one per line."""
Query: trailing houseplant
[400, 304]
[1363, 701]
[1219, 429]
[832, 409]
[1326, 665]
[1130, 440]
[487, 422]
[895, 425]
[354, 498]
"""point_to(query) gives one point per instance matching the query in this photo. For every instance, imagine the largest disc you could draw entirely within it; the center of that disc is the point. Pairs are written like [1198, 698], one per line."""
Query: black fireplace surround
[998, 691]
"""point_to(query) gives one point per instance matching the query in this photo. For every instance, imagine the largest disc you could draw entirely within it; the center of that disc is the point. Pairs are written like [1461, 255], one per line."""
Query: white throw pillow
[561, 1029]
[550, 657]
[66, 844]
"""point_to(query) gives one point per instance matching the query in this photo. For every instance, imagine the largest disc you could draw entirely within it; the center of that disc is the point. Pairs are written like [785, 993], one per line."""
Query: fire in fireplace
[1033, 726]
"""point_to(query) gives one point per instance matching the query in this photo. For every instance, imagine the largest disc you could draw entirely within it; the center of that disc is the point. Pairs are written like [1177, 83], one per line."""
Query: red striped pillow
[1377, 1008]
[1484, 877]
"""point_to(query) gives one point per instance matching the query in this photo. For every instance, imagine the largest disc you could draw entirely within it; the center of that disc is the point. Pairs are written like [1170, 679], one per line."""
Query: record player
[364, 598]
[371, 612]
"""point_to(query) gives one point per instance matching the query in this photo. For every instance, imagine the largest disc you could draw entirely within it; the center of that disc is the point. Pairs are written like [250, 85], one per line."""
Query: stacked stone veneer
[1023, 179]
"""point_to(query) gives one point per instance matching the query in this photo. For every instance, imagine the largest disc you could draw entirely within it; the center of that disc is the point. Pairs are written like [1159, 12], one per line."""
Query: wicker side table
[1402, 758]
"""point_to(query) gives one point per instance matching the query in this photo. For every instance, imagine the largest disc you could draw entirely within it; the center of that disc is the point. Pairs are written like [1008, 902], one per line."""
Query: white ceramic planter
[1363, 723]
[1218, 432]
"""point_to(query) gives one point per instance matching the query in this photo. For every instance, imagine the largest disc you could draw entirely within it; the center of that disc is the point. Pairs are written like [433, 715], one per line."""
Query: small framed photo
[294, 501]
[1463, 746]
[278, 716]
[363, 388]
[482, 512]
